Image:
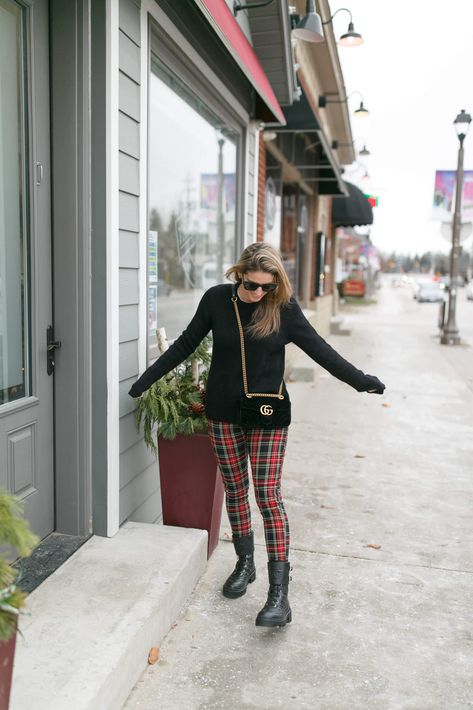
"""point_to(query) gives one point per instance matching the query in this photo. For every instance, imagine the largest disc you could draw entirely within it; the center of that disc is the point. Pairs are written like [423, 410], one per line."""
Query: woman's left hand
[374, 385]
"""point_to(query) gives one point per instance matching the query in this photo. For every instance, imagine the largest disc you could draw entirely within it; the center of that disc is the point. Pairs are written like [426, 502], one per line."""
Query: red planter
[7, 653]
[191, 485]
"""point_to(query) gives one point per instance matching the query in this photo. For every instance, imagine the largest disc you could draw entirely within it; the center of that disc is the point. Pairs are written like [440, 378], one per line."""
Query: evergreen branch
[175, 403]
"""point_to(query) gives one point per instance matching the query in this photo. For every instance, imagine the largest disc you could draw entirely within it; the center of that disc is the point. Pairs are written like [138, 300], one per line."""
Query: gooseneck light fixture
[361, 111]
[237, 6]
[364, 151]
[309, 27]
[350, 38]
[450, 334]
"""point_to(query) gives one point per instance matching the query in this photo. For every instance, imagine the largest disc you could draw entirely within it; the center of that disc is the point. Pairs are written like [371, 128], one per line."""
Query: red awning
[227, 28]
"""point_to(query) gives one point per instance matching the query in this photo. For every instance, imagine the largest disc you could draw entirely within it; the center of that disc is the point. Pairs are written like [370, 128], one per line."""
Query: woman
[261, 298]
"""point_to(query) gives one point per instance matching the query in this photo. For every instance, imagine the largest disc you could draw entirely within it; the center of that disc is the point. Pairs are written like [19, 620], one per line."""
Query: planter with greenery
[175, 427]
[175, 404]
[14, 533]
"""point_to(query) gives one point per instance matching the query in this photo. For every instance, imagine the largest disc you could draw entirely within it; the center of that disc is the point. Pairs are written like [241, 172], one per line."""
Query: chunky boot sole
[272, 622]
[237, 595]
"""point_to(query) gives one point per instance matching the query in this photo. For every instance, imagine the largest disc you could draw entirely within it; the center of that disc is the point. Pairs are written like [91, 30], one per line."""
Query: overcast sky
[415, 72]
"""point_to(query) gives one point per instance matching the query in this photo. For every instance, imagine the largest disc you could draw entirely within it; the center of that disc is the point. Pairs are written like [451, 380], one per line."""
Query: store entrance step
[91, 624]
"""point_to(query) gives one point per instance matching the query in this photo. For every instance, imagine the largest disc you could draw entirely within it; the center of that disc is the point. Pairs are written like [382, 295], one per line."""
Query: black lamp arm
[237, 6]
[323, 100]
[339, 10]
[344, 101]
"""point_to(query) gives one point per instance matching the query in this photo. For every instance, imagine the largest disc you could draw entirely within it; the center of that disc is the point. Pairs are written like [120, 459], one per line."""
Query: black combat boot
[276, 611]
[245, 570]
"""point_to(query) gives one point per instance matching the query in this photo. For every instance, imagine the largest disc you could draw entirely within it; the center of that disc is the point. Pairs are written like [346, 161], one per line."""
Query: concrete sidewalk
[378, 491]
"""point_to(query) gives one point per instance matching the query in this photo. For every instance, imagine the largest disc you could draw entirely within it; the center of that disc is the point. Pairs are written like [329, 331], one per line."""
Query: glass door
[26, 390]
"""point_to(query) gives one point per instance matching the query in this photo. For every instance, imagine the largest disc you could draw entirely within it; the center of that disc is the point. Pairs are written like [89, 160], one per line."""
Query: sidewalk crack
[370, 559]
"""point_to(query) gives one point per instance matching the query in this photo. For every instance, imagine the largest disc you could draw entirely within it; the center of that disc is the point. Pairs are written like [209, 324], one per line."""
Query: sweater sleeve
[306, 337]
[181, 348]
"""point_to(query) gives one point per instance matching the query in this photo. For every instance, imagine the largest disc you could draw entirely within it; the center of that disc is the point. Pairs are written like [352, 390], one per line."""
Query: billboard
[209, 191]
[444, 196]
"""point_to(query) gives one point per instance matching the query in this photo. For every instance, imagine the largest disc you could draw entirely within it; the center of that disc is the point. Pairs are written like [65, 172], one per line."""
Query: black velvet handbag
[259, 410]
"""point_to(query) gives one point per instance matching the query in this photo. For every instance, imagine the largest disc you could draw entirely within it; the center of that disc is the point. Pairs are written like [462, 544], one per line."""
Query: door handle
[39, 173]
[51, 346]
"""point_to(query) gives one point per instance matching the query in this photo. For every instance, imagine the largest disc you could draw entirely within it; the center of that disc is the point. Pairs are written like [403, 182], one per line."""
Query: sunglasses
[253, 286]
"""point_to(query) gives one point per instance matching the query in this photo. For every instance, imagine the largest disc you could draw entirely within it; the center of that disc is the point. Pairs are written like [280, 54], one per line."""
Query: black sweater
[264, 356]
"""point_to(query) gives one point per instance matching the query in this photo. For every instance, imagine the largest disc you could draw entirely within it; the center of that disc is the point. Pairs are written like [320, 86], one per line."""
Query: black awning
[351, 211]
[301, 119]
[299, 116]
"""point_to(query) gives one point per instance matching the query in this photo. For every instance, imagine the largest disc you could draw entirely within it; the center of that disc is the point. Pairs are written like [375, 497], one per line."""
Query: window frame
[200, 81]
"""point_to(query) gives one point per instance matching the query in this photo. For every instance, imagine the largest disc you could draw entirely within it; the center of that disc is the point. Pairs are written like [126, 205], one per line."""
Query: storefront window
[192, 201]
[13, 195]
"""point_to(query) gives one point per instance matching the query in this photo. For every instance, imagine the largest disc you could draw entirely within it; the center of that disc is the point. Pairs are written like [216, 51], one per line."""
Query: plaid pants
[265, 448]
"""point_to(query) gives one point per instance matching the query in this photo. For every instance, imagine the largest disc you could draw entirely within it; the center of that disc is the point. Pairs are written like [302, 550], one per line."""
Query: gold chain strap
[279, 395]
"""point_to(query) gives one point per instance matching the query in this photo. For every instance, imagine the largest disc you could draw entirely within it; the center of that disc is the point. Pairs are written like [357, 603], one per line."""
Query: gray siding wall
[140, 497]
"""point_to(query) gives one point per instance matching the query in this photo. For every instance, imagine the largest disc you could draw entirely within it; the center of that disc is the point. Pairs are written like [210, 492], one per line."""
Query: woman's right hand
[134, 391]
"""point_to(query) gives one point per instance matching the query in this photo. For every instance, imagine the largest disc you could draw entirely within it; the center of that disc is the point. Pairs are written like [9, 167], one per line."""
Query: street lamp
[450, 334]
[220, 210]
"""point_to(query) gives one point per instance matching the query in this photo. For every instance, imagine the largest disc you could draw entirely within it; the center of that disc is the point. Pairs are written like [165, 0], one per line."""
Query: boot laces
[275, 593]
[242, 564]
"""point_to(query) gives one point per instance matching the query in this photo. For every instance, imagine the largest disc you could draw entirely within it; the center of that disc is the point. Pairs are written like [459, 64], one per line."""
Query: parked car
[432, 292]
[469, 291]
[421, 281]
[445, 280]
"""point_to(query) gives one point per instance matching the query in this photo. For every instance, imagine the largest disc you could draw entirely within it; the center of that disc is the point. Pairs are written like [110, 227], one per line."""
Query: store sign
[444, 195]
[209, 186]
[371, 199]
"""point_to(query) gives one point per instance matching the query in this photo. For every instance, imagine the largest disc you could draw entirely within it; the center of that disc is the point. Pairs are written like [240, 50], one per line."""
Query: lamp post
[220, 211]
[450, 334]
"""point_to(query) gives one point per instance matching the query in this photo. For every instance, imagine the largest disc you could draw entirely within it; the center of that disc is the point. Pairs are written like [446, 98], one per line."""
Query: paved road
[379, 494]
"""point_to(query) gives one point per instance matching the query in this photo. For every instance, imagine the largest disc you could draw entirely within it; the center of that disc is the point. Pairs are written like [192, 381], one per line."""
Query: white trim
[246, 182]
[112, 269]
[251, 130]
[143, 233]
[258, 135]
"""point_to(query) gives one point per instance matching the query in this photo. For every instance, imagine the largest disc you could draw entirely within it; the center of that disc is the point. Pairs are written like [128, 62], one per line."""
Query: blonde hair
[261, 256]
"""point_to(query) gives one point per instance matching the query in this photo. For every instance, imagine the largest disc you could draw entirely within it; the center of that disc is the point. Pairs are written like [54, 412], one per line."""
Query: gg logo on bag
[266, 410]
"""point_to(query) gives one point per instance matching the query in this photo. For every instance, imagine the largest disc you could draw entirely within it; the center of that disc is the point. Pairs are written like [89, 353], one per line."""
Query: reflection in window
[13, 238]
[192, 202]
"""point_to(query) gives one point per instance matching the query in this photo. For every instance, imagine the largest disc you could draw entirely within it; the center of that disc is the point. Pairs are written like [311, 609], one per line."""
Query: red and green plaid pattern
[265, 449]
